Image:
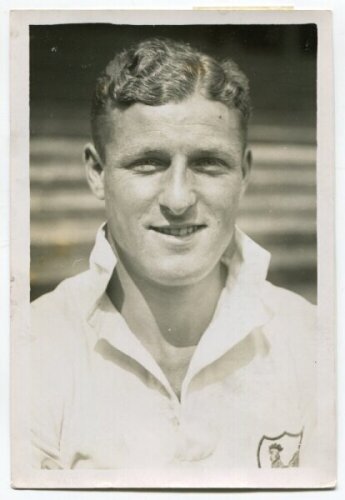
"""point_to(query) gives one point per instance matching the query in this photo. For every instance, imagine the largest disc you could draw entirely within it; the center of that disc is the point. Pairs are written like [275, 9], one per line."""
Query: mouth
[179, 231]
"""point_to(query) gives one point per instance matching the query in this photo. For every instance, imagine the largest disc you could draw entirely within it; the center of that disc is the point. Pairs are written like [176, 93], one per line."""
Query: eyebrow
[146, 152]
[215, 151]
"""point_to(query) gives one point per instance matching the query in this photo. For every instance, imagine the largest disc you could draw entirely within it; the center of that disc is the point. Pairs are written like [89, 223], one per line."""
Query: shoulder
[58, 333]
[55, 352]
[62, 301]
[292, 331]
[284, 300]
[290, 309]
[56, 316]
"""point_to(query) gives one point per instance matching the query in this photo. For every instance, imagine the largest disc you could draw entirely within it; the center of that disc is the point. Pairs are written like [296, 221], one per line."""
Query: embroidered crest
[280, 451]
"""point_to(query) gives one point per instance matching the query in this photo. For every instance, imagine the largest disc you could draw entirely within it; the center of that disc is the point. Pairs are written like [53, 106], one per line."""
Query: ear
[246, 168]
[94, 171]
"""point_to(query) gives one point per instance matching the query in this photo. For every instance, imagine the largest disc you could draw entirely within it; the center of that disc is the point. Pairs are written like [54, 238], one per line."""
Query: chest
[127, 419]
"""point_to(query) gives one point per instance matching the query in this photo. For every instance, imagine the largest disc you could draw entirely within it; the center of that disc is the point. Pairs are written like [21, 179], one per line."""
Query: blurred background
[279, 209]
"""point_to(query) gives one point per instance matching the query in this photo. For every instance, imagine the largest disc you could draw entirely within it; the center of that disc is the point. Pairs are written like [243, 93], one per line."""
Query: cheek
[223, 198]
[126, 196]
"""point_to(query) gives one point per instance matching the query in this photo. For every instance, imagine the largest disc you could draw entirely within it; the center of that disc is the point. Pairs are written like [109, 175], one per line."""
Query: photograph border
[23, 476]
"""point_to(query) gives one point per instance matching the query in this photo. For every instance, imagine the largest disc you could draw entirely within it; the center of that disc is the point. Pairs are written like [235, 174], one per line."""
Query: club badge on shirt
[279, 451]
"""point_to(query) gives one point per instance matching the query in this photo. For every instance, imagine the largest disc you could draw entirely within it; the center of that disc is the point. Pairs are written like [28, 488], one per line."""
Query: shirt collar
[240, 308]
[102, 264]
[247, 266]
[102, 258]
[240, 304]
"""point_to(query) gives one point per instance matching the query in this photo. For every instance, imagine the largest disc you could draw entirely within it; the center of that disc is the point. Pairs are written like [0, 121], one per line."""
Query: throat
[169, 321]
[174, 363]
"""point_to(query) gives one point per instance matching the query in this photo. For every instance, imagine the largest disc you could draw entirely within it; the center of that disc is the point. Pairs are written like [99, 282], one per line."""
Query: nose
[177, 194]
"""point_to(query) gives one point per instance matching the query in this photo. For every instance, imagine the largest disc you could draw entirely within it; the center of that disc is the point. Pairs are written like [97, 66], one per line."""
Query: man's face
[274, 454]
[173, 177]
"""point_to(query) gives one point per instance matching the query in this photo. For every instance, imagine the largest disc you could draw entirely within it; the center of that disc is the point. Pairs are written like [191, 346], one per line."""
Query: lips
[178, 231]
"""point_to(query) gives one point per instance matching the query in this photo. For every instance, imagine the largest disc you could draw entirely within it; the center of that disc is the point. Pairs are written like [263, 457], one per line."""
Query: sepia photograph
[175, 193]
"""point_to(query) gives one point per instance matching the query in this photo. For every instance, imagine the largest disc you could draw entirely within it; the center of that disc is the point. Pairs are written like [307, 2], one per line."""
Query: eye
[210, 165]
[147, 165]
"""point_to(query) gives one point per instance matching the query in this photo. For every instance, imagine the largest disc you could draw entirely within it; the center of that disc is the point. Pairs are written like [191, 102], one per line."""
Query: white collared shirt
[101, 401]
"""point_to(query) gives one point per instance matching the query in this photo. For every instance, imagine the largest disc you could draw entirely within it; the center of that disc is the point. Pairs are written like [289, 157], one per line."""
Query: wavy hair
[160, 71]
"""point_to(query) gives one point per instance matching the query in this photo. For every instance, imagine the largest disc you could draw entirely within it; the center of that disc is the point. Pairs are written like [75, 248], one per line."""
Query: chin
[179, 276]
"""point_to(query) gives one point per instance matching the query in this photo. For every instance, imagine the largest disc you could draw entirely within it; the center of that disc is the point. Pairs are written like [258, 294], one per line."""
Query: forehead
[175, 126]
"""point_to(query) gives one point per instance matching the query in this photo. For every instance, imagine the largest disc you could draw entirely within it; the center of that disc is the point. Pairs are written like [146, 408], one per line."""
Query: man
[275, 449]
[172, 350]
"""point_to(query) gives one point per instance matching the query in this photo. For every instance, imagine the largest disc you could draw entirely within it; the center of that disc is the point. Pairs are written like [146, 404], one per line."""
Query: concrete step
[56, 177]
[278, 211]
[79, 199]
[49, 151]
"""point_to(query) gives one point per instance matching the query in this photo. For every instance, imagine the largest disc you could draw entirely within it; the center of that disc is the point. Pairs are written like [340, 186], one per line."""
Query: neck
[166, 316]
